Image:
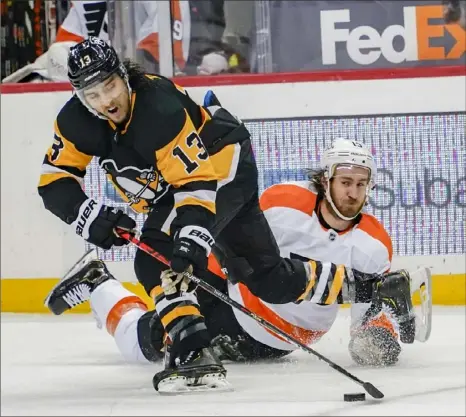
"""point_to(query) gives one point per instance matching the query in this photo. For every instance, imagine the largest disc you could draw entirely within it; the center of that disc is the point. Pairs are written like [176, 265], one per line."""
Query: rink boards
[414, 125]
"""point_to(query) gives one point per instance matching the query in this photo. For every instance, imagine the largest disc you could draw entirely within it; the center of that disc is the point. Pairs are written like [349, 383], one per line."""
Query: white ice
[66, 366]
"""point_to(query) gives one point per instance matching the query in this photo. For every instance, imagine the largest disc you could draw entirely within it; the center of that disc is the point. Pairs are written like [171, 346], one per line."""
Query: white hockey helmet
[348, 152]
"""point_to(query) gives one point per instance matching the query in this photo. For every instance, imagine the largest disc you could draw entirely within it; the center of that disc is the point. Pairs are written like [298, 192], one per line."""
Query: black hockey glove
[96, 223]
[191, 247]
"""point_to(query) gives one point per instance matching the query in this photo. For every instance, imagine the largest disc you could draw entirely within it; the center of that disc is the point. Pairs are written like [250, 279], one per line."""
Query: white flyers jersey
[290, 211]
[90, 18]
[84, 19]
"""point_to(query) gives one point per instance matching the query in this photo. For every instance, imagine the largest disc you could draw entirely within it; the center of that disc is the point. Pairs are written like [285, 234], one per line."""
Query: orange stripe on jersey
[64, 36]
[214, 267]
[177, 44]
[254, 304]
[120, 309]
[289, 195]
[374, 228]
[63, 152]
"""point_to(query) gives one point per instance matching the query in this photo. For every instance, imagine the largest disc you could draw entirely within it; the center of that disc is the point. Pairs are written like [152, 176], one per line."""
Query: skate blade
[422, 283]
[181, 385]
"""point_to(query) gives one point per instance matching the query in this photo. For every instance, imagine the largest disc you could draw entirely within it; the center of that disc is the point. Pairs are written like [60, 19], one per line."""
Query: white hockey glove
[174, 283]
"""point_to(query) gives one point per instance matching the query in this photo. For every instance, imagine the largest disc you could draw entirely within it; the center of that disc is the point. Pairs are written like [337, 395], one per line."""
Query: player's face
[348, 189]
[110, 98]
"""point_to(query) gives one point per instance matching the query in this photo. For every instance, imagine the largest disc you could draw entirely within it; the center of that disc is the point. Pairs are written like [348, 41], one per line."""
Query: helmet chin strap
[328, 195]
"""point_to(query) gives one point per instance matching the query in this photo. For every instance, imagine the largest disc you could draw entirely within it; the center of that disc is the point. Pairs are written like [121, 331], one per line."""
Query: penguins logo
[141, 188]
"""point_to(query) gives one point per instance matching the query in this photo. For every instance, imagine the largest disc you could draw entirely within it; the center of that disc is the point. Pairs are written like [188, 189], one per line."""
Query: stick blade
[373, 391]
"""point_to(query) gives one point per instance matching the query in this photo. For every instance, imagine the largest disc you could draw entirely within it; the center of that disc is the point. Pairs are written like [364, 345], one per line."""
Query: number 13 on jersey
[191, 154]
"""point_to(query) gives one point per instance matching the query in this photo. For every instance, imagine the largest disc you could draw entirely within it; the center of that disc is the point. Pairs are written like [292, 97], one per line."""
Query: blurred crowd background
[207, 37]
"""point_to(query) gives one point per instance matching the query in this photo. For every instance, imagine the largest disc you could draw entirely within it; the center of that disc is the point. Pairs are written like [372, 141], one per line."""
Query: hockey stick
[370, 389]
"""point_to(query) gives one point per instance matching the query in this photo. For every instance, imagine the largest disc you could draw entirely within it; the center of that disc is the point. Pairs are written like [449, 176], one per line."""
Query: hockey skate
[198, 371]
[76, 286]
[395, 290]
[227, 349]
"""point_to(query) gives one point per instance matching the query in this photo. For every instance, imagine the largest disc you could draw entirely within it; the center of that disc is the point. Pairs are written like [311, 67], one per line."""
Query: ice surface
[66, 366]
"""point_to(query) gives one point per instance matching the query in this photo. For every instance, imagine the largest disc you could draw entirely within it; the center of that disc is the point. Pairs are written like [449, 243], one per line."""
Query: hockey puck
[354, 397]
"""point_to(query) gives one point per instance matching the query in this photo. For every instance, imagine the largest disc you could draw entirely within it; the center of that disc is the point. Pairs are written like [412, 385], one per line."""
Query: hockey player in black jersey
[190, 168]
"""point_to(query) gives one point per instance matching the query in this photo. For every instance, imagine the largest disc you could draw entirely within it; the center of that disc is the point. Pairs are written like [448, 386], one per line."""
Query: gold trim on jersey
[225, 163]
[46, 179]
[192, 201]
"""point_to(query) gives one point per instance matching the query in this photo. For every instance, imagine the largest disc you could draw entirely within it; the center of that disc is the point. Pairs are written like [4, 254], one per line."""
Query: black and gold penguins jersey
[157, 159]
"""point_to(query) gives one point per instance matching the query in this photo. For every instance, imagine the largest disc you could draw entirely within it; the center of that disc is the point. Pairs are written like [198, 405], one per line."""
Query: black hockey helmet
[91, 61]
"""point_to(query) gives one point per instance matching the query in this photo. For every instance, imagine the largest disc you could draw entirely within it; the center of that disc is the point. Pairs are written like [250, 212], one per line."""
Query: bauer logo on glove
[191, 248]
[203, 236]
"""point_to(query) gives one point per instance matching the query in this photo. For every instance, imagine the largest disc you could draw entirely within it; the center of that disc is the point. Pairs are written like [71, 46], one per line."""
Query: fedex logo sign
[365, 44]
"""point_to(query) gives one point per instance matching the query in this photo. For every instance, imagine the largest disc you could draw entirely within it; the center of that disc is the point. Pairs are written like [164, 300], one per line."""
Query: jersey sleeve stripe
[337, 283]
[201, 195]
[195, 186]
[46, 179]
[48, 168]
[254, 304]
[290, 196]
[226, 162]
[310, 285]
[192, 201]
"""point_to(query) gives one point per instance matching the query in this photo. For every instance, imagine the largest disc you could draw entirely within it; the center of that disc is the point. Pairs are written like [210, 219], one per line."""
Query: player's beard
[346, 209]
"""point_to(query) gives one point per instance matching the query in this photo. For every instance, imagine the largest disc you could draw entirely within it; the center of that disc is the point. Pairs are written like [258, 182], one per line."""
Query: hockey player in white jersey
[321, 220]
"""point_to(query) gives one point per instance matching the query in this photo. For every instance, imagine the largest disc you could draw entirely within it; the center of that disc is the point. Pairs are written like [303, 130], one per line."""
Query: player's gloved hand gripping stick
[370, 389]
